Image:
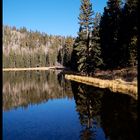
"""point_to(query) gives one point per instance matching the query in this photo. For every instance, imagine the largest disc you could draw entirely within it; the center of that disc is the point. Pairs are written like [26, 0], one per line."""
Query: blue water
[64, 110]
[54, 120]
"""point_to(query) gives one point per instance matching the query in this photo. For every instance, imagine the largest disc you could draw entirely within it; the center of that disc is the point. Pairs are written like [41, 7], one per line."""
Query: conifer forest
[70, 70]
[104, 41]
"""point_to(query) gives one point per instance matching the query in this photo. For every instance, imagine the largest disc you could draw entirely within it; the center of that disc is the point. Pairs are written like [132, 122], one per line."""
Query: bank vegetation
[124, 80]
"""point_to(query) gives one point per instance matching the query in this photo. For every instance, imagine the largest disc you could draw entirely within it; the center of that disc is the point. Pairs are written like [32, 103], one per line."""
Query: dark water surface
[45, 106]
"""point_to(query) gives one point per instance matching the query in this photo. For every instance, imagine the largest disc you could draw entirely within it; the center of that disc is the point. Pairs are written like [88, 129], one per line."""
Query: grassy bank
[126, 74]
[117, 85]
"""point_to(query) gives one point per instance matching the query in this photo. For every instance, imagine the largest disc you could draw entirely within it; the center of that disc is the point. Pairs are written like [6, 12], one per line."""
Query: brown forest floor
[123, 80]
[126, 74]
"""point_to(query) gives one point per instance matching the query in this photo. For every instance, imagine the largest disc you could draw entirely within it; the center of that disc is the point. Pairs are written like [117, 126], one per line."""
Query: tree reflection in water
[98, 109]
[119, 116]
[88, 105]
[115, 113]
[21, 89]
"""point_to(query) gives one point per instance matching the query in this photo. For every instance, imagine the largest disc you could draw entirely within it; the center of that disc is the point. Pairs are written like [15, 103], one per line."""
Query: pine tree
[64, 54]
[129, 33]
[84, 40]
[74, 57]
[109, 33]
[94, 58]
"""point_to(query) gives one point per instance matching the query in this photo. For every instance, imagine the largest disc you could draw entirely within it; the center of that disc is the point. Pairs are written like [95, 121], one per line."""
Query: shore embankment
[116, 85]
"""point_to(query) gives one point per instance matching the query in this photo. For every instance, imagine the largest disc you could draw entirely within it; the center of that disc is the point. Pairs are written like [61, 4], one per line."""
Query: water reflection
[115, 113]
[119, 117]
[21, 89]
[81, 111]
[88, 106]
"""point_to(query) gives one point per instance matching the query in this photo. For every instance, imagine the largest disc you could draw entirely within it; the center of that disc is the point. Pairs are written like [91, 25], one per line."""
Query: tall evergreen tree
[84, 35]
[94, 58]
[64, 54]
[109, 33]
[74, 57]
[129, 33]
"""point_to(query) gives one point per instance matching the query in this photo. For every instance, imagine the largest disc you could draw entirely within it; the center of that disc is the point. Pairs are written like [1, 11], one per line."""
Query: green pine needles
[87, 47]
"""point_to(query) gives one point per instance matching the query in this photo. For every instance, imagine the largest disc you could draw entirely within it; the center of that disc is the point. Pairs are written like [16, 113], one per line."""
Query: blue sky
[56, 17]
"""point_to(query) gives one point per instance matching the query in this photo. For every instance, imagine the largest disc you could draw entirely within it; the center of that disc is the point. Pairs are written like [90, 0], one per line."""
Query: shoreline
[32, 68]
[114, 85]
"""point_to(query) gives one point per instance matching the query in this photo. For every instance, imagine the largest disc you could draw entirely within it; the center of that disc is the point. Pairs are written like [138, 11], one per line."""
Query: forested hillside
[104, 41]
[22, 48]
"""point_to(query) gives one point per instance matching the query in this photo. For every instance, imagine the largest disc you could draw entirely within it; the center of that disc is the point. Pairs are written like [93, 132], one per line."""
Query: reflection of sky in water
[55, 119]
[100, 134]
[48, 107]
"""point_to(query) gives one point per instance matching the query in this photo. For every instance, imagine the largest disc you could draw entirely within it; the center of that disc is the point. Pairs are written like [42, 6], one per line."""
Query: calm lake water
[45, 106]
